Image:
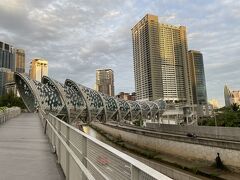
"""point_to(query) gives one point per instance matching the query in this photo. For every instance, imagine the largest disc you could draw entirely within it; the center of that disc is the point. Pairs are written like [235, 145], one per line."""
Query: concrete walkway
[25, 153]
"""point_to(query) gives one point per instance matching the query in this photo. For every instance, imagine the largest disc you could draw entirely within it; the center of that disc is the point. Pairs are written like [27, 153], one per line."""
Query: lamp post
[215, 118]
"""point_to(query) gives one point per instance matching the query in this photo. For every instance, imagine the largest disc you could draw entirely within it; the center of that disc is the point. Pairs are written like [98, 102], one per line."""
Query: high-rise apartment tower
[160, 56]
[38, 69]
[20, 60]
[11, 59]
[105, 81]
[197, 74]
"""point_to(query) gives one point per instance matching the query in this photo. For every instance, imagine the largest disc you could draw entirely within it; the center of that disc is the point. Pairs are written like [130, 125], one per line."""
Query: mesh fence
[83, 157]
[145, 176]
[108, 163]
[8, 113]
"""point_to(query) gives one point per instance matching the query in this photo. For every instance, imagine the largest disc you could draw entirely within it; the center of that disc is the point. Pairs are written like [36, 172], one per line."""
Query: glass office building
[197, 77]
[7, 56]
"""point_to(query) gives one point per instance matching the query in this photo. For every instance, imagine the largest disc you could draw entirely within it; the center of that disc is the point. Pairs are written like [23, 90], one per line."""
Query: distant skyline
[79, 37]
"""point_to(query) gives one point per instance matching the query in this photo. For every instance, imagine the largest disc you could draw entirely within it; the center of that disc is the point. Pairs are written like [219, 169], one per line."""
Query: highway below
[175, 150]
[215, 142]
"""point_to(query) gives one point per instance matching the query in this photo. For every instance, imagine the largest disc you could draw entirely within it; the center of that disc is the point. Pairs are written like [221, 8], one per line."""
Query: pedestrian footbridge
[73, 102]
[41, 146]
[25, 152]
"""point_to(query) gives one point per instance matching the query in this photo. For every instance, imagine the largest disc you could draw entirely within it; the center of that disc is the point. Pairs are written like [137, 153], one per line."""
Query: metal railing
[9, 113]
[84, 157]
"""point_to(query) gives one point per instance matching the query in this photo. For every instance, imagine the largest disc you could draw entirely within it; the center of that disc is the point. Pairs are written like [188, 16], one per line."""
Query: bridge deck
[25, 152]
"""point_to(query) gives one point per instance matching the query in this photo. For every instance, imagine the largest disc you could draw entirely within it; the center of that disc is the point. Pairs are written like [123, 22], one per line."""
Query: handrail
[79, 163]
[9, 113]
[93, 158]
[131, 160]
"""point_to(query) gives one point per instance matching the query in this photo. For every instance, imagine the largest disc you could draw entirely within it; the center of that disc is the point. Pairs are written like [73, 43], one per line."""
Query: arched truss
[74, 102]
[60, 89]
[38, 95]
[124, 110]
[27, 92]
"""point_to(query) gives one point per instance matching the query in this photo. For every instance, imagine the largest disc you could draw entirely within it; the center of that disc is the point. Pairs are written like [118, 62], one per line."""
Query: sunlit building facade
[105, 81]
[231, 96]
[214, 103]
[38, 69]
[197, 75]
[160, 56]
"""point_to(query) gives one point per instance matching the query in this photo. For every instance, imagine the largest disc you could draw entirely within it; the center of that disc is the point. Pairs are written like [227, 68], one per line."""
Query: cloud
[77, 37]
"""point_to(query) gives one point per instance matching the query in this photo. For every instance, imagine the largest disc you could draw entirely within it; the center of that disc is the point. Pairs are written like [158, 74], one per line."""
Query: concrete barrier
[230, 157]
[226, 133]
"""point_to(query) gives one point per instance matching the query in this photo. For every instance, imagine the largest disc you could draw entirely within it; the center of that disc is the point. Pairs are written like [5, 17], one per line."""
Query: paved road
[25, 153]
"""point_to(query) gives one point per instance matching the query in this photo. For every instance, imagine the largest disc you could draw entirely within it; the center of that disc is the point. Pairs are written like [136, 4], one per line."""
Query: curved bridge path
[25, 152]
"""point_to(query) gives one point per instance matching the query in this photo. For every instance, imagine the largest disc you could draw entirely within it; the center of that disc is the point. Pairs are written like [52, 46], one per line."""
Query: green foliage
[235, 107]
[138, 123]
[227, 116]
[10, 100]
[195, 170]
[2, 108]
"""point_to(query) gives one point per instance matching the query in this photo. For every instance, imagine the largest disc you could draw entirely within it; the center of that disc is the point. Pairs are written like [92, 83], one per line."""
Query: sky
[77, 37]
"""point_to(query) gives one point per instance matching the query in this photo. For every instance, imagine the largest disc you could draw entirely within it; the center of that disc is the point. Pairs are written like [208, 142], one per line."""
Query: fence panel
[84, 157]
[9, 113]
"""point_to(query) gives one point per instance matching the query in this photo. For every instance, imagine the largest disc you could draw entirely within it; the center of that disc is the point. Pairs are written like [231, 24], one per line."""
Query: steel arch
[74, 102]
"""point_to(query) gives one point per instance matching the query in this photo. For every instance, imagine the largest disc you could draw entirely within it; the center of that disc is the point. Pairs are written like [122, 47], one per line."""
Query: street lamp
[215, 118]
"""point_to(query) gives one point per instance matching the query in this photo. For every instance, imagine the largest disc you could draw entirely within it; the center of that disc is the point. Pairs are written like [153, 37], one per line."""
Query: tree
[227, 116]
[235, 107]
[10, 100]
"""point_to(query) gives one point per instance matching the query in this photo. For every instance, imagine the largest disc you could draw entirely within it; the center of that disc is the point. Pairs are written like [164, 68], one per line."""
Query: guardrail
[84, 157]
[221, 133]
[9, 113]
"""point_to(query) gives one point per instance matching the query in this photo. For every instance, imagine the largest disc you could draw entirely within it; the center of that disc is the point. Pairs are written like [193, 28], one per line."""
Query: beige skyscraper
[105, 81]
[160, 56]
[38, 69]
